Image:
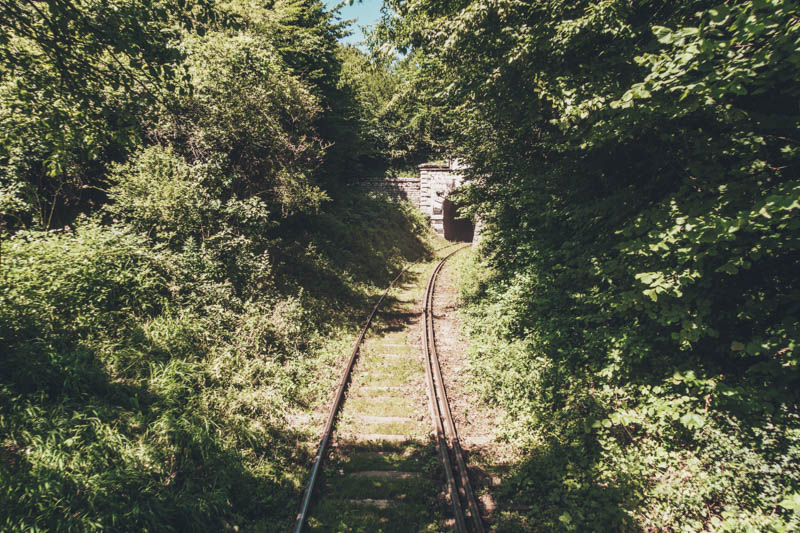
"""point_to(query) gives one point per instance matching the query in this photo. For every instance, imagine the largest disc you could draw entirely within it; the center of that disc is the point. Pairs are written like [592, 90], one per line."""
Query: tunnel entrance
[455, 227]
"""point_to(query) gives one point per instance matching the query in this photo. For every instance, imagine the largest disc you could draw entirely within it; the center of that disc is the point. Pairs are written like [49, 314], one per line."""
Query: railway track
[462, 497]
[445, 437]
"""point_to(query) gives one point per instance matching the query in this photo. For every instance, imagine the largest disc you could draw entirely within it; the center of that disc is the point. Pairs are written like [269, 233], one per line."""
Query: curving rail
[327, 433]
[467, 514]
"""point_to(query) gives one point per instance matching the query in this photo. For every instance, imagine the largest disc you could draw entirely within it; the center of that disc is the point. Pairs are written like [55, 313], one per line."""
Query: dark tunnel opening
[456, 228]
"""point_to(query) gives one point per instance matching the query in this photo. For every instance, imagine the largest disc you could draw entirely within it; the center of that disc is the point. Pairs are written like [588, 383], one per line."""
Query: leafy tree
[75, 79]
[168, 284]
[247, 113]
[385, 111]
[636, 166]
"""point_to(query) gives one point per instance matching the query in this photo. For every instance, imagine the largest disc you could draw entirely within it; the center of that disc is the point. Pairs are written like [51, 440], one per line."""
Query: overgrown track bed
[462, 497]
[410, 438]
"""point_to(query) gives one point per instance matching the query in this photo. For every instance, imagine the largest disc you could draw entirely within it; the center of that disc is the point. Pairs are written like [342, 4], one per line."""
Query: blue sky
[366, 13]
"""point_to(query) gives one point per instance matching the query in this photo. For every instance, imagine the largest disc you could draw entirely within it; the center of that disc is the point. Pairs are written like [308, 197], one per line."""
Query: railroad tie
[387, 474]
[389, 437]
[385, 419]
[379, 504]
[383, 388]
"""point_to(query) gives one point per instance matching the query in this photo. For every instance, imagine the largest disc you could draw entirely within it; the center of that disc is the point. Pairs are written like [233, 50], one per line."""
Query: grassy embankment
[654, 447]
[145, 388]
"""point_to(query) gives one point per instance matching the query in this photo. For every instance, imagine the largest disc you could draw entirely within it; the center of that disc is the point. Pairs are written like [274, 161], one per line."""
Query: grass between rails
[143, 388]
[383, 475]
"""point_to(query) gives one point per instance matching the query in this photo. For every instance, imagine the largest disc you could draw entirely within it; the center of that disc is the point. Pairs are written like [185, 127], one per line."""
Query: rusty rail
[447, 444]
[302, 515]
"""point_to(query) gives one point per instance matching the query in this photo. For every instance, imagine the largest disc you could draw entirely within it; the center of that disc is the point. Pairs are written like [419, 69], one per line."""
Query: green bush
[144, 380]
[248, 111]
[123, 408]
[96, 276]
[635, 165]
[159, 193]
[605, 439]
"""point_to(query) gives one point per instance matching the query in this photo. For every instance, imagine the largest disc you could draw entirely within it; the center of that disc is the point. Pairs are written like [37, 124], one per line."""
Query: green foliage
[370, 86]
[248, 112]
[153, 345]
[369, 236]
[96, 277]
[394, 126]
[159, 192]
[83, 86]
[74, 81]
[305, 34]
[145, 380]
[635, 165]
[124, 409]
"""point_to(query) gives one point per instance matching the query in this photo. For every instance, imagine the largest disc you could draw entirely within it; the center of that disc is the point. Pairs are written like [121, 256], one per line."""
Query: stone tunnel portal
[430, 192]
[455, 227]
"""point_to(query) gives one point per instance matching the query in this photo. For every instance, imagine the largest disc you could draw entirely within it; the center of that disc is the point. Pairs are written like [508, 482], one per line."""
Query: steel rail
[433, 404]
[302, 515]
[447, 443]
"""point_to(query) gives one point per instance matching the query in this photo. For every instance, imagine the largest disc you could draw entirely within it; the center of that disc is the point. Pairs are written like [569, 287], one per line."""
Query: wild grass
[142, 389]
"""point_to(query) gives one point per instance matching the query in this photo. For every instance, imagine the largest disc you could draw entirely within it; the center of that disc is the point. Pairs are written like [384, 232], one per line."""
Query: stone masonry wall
[427, 192]
[397, 188]
[436, 183]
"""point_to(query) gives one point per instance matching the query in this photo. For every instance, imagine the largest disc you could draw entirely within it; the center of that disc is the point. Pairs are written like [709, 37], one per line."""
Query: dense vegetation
[181, 255]
[180, 246]
[636, 167]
